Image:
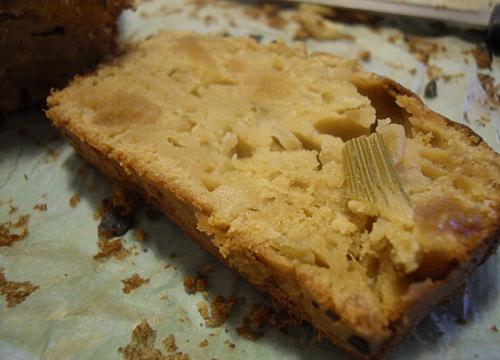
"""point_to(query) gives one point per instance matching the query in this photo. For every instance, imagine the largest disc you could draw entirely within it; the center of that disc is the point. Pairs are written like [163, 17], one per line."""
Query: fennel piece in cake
[241, 144]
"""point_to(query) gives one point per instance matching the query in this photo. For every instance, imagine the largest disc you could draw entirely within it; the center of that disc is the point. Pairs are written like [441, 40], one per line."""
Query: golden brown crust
[266, 272]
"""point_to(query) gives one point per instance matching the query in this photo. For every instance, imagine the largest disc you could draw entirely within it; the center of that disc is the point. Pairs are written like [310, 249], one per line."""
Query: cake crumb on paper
[193, 285]
[482, 57]
[40, 207]
[142, 346]
[365, 55]
[491, 89]
[15, 292]
[169, 343]
[132, 283]
[74, 200]
[10, 232]
[220, 308]
[260, 317]
[204, 343]
[112, 248]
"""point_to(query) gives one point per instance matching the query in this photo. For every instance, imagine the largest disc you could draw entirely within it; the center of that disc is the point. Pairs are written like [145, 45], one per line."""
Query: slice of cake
[43, 44]
[334, 190]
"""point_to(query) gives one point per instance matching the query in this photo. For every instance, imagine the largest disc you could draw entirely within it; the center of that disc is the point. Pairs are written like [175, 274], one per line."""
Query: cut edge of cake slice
[299, 277]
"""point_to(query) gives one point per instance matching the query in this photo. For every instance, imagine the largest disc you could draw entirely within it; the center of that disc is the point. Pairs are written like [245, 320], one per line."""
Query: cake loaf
[334, 190]
[43, 44]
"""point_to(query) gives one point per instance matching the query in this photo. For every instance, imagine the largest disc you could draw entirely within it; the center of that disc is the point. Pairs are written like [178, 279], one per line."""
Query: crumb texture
[133, 282]
[11, 232]
[252, 136]
[15, 292]
[142, 346]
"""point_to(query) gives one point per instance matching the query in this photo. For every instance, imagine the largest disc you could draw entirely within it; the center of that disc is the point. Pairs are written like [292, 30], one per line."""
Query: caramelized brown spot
[433, 264]
[125, 109]
[449, 216]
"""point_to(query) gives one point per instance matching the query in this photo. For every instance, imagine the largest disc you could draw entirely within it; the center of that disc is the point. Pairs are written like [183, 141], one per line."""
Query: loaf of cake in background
[44, 43]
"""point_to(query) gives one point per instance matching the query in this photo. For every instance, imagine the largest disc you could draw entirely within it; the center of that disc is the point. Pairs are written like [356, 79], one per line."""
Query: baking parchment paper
[79, 310]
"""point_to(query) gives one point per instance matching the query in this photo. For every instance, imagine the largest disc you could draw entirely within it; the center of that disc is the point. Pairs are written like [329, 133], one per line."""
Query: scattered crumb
[40, 207]
[219, 311]
[422, 49]
[203, 309]
[117, 215]
[13, 209]
[483, 120]
[229, 344]
[132, 283]
[203, 344]
[434, 72]
[260, 317]
[142, 346]
[494, 328]
[482, 57]
[163, 297]
[413, 71]
[253, 324]
[112, 248]
[140, 235]
[430, 90]
[365, 55]
[169, 343]
[10, 232]
[74, 200]
[193, 285]
[492, 90]
[15, 292]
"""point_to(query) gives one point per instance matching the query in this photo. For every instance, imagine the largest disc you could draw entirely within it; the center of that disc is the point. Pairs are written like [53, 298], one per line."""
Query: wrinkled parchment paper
[79, 310]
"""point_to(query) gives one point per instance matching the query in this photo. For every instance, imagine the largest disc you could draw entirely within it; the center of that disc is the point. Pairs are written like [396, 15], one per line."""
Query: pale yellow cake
[244, 146]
